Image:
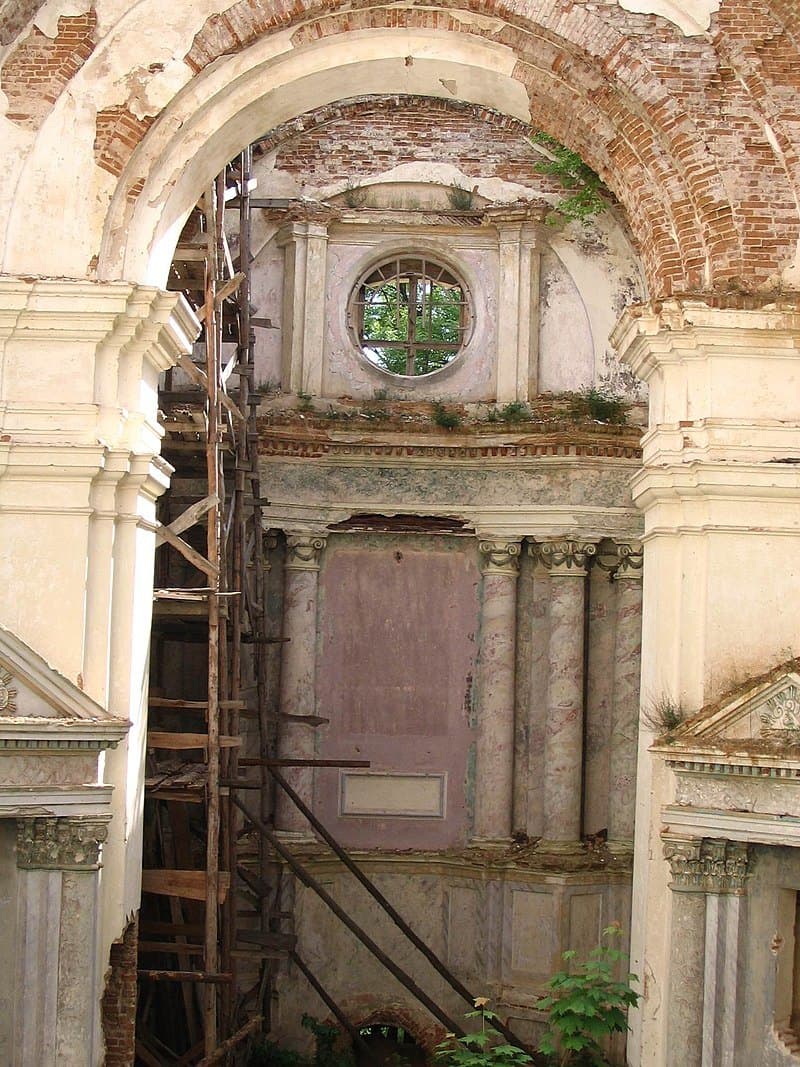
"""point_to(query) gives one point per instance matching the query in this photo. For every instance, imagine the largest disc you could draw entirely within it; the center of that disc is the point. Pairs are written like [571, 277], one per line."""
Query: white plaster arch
[241, 98]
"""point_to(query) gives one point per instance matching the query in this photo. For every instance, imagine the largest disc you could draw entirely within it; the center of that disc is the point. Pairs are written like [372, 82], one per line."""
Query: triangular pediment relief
[33, 691]
[760, 720]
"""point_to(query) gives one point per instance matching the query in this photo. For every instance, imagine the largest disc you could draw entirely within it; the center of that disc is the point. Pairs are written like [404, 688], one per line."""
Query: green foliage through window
[411, 316]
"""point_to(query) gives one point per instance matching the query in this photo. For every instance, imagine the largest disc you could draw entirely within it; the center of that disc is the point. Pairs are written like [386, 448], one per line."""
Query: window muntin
[411, 315]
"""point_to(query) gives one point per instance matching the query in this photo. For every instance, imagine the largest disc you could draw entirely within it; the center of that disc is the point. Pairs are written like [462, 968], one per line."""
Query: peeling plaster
[46, 20]
[692, 17]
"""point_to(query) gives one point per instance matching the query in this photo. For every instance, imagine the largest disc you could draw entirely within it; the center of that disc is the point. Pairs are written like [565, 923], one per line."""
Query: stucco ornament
[782, 711]
[60, 844]
[566, 556]
[304, 551]
[706, 865]
[8, 695]
[499, 557]
[690, 16]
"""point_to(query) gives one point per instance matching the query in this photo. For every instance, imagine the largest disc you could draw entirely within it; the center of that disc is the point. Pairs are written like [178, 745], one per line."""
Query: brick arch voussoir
[766, 63]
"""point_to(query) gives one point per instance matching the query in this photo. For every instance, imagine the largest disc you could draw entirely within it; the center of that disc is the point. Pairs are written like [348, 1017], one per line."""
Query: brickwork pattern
[117, 134]
[119, 1000]
[355, 140]
[40, 67]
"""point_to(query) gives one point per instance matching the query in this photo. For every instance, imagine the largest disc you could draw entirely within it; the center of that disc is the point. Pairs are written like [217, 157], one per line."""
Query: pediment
[760, 720]
[31, 691]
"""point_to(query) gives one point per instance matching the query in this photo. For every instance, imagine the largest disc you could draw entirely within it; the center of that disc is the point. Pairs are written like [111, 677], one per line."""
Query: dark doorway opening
[389, 1045]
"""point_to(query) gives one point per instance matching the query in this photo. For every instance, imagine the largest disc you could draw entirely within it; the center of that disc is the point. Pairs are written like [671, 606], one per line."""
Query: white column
[625, 707]
[305, 245]
[57, 1011]
[494, 757]
[567, 563]
[298, 693]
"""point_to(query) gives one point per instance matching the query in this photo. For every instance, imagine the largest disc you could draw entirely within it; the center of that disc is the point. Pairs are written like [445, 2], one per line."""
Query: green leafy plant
[587, 1004]
[602, 405]
[304, 401]
[585, 199]
[445, 417]
[514, 411]
[328, 1044]
[266, 1053]
[483, 1048]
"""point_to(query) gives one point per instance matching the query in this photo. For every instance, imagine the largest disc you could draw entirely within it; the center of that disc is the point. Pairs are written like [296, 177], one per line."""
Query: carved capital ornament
[566, 557]
[304, 551]
[500, 557]
[706, 865]
[65, 844]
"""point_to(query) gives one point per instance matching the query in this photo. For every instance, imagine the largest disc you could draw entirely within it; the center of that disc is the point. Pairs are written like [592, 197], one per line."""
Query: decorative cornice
[71, 844]
[706, 865]
[499, 557]
[290, 447]
[566, 557]
[304, 551]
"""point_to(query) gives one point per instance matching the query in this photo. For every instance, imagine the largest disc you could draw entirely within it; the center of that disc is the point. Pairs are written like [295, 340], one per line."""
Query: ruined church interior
[400, 509]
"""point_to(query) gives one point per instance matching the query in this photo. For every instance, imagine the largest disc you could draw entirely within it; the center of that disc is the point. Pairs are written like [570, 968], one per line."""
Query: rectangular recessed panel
[386, 793]
[532, 928]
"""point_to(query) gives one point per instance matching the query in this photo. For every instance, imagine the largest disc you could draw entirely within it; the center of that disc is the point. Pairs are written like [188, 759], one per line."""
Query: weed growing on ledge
[599, 404]
[304, 401]
[484, 1048]
[445, 417]
[587, 1005]
[662, 716]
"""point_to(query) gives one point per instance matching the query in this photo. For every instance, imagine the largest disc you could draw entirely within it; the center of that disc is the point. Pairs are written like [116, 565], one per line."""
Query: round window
[410, 315]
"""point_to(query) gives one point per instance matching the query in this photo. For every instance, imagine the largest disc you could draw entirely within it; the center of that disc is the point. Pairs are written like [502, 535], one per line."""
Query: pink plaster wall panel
[397, 658]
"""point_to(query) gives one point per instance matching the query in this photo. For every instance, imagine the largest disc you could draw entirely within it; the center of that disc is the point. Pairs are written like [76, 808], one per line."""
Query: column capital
[499, 557]
[706, 865]
[65, 844]
[630, 560]
[304, 551]
[565, 557]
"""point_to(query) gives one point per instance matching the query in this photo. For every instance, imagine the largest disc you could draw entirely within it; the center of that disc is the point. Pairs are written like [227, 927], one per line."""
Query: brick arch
[676, 201]
[669, 219]
[648, 146]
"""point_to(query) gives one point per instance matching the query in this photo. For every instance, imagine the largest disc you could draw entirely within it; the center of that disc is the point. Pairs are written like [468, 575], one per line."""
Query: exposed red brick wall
[119, 1000]
[36, 72]
[356, 139]
[118, 133]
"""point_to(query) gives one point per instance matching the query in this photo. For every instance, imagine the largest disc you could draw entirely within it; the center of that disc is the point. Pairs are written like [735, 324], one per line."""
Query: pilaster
[518, 309]
[56, 1013]
[305, 244]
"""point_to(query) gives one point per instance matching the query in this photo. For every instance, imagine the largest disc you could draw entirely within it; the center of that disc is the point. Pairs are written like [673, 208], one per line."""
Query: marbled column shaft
[563, 764]
[494, 762]
[625, 714]
[298, 673]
